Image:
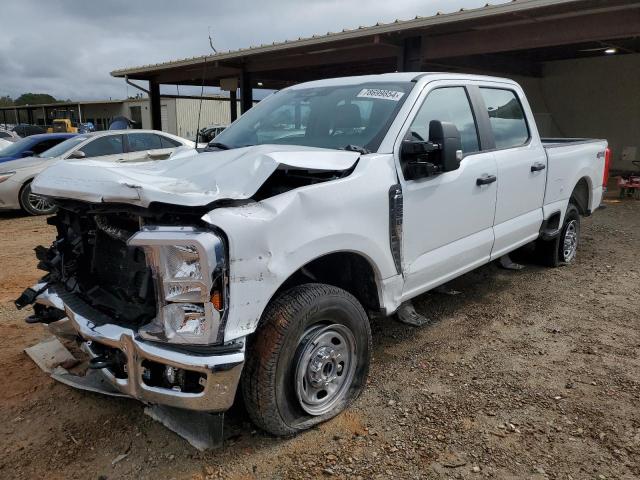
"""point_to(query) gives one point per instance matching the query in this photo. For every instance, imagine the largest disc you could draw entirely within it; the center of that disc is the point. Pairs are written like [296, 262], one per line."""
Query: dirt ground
[529, 374]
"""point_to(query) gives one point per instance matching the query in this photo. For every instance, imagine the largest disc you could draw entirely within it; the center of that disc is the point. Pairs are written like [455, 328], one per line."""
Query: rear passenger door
[145, 146]
[522, 164]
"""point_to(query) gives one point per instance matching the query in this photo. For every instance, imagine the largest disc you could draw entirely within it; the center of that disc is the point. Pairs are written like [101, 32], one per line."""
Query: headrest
[347, 116]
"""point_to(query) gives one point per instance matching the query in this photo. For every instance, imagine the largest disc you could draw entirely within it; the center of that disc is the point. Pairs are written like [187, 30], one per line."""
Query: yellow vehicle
[62, 125]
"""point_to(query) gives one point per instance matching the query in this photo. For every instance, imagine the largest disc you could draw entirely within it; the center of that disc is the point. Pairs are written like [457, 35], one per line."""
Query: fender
[271, 239]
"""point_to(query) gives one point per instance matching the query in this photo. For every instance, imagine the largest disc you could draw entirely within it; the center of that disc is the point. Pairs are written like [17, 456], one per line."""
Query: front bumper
[9, 193]
[220, 372]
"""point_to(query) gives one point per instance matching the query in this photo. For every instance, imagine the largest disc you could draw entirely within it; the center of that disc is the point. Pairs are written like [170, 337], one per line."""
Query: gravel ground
[529, 374]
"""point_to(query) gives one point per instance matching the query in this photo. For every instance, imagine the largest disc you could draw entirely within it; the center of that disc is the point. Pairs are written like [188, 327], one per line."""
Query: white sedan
[111, 146]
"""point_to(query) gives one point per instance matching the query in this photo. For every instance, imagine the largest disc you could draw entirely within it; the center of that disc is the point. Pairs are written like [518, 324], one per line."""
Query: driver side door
[448, 217]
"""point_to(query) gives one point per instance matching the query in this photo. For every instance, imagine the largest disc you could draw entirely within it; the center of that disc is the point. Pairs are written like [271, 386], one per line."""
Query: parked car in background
[9, 136]
[4, 143]
[209, 133]
[87, 127]
[108, 146]
[258, 264]
[33, 145]
[25, 130]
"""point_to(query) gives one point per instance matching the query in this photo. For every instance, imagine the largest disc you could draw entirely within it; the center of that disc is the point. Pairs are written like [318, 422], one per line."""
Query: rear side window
[449, 104]
[169, 142]
[109, 145]
[139, 142]
[45, 145]
[506, 117]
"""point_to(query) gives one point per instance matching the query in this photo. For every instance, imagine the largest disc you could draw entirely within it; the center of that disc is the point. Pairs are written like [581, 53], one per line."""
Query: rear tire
[308, 359]
[35, 204]
[562, 249]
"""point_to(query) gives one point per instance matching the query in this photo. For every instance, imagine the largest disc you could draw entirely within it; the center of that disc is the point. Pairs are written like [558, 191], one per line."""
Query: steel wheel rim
[325, 367]
[570, 241]
[39, 204]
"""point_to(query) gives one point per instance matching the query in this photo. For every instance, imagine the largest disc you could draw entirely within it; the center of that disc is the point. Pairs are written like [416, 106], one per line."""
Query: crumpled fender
[272, 239]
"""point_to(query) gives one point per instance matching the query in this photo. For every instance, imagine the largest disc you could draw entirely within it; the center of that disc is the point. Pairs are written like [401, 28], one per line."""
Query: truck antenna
[204, 74]
[211, 42]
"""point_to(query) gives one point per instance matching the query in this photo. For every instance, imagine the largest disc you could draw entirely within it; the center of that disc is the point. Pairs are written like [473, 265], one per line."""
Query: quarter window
[109, 145]
[169, 142]
[506, 117]
[449, 104]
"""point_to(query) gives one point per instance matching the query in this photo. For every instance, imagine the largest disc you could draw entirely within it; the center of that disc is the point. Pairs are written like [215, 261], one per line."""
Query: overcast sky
[68, 47]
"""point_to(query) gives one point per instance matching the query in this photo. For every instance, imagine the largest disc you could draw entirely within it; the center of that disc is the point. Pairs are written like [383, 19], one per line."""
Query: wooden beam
[539, 34]
[327, 57]
[154, 104]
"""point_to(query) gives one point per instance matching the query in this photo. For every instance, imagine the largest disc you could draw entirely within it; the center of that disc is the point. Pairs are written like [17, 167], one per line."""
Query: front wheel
[562, 249]
[308, 359]
[35, 204]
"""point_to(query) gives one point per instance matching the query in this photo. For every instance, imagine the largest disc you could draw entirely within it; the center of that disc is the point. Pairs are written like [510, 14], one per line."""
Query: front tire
[562, 249]
[308, 359]
[35, 204]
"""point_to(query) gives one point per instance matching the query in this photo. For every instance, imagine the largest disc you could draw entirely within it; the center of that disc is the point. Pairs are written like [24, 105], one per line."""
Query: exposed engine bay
[90, 261]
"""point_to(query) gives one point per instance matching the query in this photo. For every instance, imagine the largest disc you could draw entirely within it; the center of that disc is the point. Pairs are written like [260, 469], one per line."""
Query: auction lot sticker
[380, 94]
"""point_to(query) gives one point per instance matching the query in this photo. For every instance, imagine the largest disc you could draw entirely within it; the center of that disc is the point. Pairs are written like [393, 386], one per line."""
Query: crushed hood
[185, 180]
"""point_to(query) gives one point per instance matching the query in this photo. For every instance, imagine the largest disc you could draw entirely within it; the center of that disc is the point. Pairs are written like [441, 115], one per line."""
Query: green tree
[34, 99]
[6, 101]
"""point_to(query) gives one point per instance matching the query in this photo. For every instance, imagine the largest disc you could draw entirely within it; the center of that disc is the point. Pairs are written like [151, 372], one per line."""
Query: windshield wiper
[218, 145]
[356, 148]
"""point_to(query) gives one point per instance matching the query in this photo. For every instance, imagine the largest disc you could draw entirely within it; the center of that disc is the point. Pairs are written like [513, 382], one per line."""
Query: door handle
[486, 180]
[536, 167]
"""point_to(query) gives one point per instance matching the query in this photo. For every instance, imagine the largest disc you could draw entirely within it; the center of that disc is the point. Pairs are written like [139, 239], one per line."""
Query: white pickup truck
[258, 262]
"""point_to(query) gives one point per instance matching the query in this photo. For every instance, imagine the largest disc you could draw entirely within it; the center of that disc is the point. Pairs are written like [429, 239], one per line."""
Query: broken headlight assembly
[188, 269]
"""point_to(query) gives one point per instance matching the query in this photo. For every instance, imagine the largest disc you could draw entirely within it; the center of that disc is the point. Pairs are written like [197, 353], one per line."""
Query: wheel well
[580, 196]
[24, 185]
[347, 270]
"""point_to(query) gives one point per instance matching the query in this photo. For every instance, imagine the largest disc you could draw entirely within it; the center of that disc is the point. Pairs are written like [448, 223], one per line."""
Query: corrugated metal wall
[214, 112]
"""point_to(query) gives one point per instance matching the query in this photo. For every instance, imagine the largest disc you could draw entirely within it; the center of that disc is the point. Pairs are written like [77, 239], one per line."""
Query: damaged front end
[146, 294]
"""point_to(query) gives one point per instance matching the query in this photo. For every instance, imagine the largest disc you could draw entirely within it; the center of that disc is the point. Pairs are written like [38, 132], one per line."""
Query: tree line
[28, 99]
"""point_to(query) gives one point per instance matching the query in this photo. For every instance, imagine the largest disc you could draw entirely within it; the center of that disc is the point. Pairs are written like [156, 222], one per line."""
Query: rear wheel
[308, 359]
[562, 249]
[35, 204]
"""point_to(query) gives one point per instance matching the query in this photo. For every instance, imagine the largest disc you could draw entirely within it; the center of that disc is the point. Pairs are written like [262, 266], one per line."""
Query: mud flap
[407, 314]
[201, 429]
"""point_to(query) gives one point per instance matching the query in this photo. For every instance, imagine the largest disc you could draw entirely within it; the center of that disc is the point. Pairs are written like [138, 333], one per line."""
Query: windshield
[17, 147]
[325, 117]
[62, 147]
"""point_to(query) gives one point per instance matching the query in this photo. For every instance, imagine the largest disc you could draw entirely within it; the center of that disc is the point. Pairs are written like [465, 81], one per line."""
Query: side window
[506, 116]
[168, 142]
[44, 146]
[109, 145]
[449, 104]
[139, 142]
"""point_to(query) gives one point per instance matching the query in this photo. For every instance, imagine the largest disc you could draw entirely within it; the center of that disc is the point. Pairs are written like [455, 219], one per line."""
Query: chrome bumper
[222, 372]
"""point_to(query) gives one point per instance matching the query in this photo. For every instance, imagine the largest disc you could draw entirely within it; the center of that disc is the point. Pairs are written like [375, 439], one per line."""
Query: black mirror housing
[446, 135]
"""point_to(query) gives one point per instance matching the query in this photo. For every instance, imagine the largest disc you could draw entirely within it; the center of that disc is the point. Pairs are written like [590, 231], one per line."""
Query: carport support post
[246, 92]
[154, 102]
[233, 104]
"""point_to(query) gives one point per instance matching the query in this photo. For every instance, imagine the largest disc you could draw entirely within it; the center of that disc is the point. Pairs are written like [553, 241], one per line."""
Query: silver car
[109, 146]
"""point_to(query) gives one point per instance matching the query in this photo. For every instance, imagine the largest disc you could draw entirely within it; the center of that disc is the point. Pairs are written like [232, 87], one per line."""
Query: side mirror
[446, 135]
[27, 153]
[78, 155]
[442, 153]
